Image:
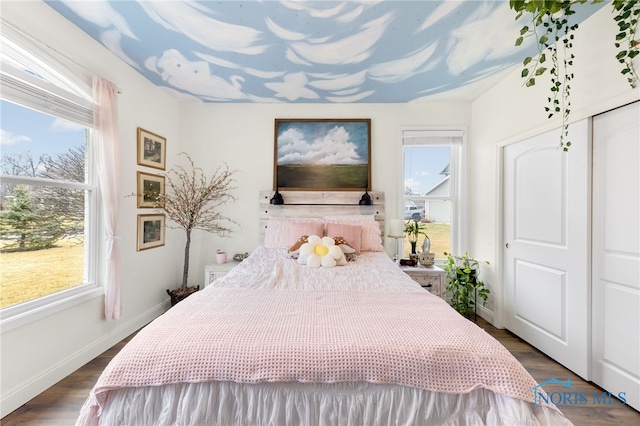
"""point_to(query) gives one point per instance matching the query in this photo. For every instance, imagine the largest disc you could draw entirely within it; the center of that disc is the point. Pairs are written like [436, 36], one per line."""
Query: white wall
[510, 112]
[38, 354]
[243, 136]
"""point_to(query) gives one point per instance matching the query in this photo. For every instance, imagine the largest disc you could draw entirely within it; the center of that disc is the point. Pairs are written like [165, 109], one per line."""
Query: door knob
[507, 245]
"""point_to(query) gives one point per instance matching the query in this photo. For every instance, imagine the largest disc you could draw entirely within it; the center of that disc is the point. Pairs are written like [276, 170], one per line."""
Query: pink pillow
[298, 229]
[371, 240]
[278, 229]
[351, 233]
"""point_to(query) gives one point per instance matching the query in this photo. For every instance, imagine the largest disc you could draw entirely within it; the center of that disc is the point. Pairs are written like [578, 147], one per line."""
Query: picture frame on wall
[151, 231]
[149, 187]
[322, 154]
[152, 149]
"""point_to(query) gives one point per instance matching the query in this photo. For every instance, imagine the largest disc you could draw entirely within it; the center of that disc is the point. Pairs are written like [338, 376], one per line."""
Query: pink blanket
[250, 336]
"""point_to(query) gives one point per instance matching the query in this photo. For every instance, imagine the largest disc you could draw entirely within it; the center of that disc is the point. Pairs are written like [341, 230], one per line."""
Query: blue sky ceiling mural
[307, 51]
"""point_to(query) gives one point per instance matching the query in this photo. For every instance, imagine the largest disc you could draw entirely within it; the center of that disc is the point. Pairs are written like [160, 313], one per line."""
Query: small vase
[426, 245]
[221, 257]
[413, 247]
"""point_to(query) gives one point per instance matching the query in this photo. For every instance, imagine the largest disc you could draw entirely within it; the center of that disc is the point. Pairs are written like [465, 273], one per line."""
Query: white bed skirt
[278, 404]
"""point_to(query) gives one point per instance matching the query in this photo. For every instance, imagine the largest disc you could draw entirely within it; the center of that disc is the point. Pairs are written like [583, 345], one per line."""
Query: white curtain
[106, 141]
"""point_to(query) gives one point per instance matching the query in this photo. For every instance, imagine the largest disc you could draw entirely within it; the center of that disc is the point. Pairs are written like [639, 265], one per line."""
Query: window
[48, 194]
[432, 160]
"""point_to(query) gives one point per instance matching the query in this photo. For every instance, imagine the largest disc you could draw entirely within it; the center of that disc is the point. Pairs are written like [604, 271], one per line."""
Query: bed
[279, 342]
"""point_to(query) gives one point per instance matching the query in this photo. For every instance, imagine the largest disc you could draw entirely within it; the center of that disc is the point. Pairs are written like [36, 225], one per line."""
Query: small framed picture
[151, 149]
[149, 187]
[150, 231]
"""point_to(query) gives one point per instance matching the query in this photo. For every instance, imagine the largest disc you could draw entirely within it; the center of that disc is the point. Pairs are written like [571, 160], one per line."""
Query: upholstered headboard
[319, 204]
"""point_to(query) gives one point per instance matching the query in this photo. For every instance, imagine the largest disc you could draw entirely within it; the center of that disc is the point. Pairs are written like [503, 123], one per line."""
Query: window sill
[17, 316]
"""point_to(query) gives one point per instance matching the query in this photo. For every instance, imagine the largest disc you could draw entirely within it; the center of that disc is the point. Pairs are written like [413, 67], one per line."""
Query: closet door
[616, 252]
[546, 254]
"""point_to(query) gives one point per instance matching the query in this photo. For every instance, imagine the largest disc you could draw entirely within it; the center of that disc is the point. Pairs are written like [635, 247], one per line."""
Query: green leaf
[543, 58]
[621, 54]
[519, 41]
[525, 72]
[621, 36]
[540, 71]
[530, 82]
[526, 61]
[524, 30]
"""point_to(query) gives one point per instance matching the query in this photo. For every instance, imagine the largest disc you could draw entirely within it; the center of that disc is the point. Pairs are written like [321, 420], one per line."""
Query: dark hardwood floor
[60, 404]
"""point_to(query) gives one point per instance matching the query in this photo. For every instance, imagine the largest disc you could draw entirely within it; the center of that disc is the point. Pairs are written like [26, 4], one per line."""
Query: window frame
[457, 176]
[76, 109]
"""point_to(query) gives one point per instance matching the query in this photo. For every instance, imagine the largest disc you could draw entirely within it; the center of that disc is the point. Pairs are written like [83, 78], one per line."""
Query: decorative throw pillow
[371, 239]
[317, 252]
[278, 234]
[351, 233]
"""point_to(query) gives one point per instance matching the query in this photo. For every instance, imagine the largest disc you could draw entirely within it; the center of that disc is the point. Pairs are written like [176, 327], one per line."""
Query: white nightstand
[431, 278]
[217, 270]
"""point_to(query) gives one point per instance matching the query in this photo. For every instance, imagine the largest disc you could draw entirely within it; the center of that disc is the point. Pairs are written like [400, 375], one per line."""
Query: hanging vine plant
[549, 25]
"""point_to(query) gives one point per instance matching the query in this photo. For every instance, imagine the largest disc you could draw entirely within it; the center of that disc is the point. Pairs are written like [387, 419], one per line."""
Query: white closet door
[616, 252]
[546, 231]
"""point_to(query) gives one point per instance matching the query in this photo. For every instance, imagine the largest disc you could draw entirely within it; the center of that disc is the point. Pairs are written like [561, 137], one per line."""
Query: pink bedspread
[409, 338]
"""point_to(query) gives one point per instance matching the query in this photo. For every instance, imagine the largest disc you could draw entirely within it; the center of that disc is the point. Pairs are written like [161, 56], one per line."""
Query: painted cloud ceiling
[308, 51]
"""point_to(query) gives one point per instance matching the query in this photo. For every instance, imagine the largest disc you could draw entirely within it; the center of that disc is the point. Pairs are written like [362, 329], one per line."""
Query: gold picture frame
[152, 149]
[151, 231]
[149, 187]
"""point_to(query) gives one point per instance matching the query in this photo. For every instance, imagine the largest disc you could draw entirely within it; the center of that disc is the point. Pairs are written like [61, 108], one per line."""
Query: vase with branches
[192, 201]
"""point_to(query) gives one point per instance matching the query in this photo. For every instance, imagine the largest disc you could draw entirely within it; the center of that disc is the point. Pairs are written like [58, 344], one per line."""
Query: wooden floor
[60, 404]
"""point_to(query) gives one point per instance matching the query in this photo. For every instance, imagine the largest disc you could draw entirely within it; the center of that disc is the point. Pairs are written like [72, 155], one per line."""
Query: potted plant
[191, 201]
[413, 228]
[221, 256]
[463, 283]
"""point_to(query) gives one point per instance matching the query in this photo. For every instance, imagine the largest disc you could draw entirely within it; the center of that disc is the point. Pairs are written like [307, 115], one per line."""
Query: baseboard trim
[15, 398]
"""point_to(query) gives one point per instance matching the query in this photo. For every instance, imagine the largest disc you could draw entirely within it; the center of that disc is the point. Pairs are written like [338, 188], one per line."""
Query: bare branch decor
[192, 201]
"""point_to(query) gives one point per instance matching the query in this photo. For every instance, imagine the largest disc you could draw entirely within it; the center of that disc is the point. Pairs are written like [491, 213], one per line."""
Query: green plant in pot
[463, 283]
[192, 201]
[414, 228]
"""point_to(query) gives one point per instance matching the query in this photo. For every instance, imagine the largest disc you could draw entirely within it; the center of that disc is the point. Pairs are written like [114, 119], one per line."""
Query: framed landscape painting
[322, 154]
[150, 231]
[149, 187]
[151, 149]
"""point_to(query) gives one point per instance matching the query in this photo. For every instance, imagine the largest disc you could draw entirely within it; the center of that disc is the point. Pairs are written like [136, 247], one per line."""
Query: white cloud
[334, 83]
[293, 87]
[185, 18]
[99, 12]
[333, 148]
[349, 50]
[349, 99]
[195, 77]
[283, 33]
[60, 125]
[492, 37]
[404, 68]
[8, 138]
[413, 184]
[441, 12]
[231, 65]
[111, 40]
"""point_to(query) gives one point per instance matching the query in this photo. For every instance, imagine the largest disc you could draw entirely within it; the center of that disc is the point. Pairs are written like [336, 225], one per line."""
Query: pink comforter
[409, 338]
